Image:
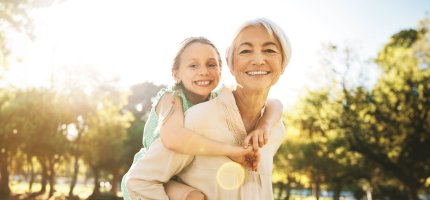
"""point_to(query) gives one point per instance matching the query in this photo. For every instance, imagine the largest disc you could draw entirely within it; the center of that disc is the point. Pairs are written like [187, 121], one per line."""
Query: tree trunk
[316, 188]
[44, 176]
[280, 186]
[75, 175]
[115, 182]
[31, 166]
[96, 190]
[287, 190]
[51, 165]
[412, 193]
[337, 190]
[76, 162]
[287, 196]
[4, 178]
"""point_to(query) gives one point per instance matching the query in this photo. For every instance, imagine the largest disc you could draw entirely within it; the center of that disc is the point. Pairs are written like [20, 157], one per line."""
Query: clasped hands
[249, 157]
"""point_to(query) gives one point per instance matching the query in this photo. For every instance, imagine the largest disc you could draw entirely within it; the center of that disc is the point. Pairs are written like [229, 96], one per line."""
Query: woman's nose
[259, 59]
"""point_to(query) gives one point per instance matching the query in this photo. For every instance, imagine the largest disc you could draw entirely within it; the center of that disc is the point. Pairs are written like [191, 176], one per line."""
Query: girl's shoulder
[216, 91]
[161, 93]
[168, 94]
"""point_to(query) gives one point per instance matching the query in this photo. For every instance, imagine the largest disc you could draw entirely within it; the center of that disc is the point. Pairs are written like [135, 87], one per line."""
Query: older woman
[257, 57]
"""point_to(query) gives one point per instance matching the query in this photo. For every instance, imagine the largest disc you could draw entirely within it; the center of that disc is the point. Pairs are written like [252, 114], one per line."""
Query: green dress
[151, 131]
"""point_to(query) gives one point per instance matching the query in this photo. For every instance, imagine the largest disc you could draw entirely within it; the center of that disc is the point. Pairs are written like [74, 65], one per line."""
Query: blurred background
[77, 78]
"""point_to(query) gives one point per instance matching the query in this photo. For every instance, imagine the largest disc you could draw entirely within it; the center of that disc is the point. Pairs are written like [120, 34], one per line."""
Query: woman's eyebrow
[269, 43]
[246, 44]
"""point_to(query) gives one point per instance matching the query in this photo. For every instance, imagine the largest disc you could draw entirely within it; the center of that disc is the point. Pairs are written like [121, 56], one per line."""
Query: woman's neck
[250, 105]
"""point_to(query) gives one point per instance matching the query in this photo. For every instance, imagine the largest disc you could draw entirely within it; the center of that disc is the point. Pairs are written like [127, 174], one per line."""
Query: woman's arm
[177, 138]
[271, 116]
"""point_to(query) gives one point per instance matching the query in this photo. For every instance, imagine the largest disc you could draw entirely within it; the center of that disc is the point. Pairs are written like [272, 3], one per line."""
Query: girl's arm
[177, 138]
[271, 116]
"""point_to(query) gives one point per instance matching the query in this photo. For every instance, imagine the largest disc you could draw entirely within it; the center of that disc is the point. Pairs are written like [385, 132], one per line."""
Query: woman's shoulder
[208, 108]
[211, 107]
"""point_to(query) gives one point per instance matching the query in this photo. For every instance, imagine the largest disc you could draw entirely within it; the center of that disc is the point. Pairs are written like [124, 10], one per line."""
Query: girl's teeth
[202, 83]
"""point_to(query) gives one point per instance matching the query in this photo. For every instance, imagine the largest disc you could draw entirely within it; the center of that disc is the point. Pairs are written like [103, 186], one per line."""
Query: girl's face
[257, 59]
[199, 71]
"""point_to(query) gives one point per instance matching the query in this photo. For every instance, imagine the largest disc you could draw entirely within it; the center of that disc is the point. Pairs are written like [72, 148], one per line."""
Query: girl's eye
[246, 51]
[193, 66]
[212, 65]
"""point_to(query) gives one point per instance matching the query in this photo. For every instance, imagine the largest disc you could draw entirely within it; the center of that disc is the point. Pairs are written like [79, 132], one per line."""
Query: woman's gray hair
[273, 30]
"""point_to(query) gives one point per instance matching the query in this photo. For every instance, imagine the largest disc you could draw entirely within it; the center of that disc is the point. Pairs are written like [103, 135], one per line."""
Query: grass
[20, 190]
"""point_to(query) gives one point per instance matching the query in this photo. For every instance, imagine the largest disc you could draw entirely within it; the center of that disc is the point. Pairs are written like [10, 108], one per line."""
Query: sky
[137, 40]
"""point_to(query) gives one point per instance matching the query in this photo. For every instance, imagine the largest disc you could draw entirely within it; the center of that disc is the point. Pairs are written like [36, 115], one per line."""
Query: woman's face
[257, 59]
[199, 69]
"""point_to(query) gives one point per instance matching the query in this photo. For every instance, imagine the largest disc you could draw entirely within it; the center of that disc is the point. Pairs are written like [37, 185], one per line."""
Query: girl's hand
[257, 137]
[246, 157]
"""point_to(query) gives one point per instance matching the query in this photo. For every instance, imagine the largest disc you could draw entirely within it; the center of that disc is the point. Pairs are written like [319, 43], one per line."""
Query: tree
[318, 150]
[375, 133]
[139, 104]
[10, 137]
[389, 124]
[103, 144]
[76, 84]
[15, 16]
[43, 125]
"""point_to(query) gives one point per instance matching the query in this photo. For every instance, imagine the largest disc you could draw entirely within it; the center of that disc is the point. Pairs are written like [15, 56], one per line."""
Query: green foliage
[10, 138]
[43, 120]
[107, 126]
[140, 97]
[133, 141]
[378, 135]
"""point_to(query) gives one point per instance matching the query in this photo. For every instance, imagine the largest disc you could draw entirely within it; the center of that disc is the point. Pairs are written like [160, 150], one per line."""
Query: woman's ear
[227, 59]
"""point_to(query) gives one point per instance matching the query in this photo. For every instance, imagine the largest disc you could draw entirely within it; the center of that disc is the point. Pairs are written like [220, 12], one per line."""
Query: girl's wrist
[233, 150]
[263, 126]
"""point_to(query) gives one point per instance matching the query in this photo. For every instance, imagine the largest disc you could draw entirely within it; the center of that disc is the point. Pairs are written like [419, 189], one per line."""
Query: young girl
[196, 70]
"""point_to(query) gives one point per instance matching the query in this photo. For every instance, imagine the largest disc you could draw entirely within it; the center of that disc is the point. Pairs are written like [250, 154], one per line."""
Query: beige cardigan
[216, 176]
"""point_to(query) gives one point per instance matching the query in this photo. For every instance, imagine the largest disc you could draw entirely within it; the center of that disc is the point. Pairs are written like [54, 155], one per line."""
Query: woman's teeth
[253, 73]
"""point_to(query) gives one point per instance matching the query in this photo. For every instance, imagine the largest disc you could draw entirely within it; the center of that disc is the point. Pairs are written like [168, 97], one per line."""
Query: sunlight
[230, 176]
[139, 107]
[72, 132]
[292, 131]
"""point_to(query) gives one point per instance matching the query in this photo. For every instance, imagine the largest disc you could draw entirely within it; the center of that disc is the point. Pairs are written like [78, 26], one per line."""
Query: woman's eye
[245, 51]
[193, 66]
[270, 51]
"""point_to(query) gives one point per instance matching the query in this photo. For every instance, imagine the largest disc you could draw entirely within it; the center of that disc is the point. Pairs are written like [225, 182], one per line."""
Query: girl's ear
[176, 76]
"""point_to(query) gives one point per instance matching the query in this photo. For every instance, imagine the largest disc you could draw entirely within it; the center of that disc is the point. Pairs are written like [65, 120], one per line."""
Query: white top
[216, 176]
